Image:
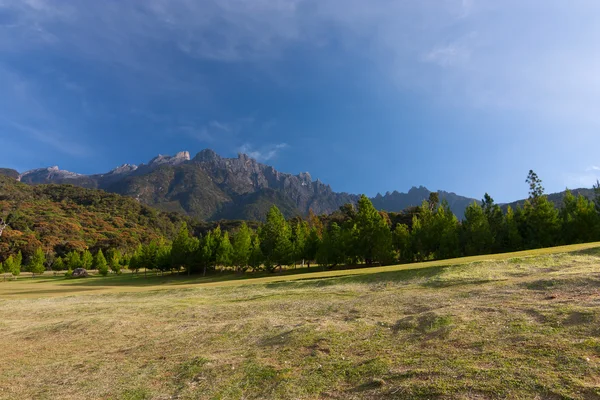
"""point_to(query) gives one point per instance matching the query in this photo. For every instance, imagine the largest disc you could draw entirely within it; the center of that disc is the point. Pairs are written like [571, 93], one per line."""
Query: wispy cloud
[54, 139]
[265, 153]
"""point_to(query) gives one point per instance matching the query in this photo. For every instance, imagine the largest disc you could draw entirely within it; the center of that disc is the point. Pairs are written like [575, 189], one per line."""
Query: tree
[242, 245]
[36, 264]
[163, 256]
[578, 219]
[275, 240]
[539, 220]
[59, 264]
[136, 262]
[73, 260]
[114, 260]
[99, 263]
[313, 242]
[536, 190]
[11, 265]
[402, 245]
[225, 251]
[375, 238]
[182, 248]
[18, 263]
[256, 256]
[299, 237]
[87, 260]
[476, 232]
[331, 251]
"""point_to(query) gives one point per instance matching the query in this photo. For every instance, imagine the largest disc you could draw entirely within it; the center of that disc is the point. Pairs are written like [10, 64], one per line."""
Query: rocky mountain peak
[207, 155]
[177, 159]
[123, 169]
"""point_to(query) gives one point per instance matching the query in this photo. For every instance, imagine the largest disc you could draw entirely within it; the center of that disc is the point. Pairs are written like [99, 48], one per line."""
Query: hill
[557, 198]
[65, 217]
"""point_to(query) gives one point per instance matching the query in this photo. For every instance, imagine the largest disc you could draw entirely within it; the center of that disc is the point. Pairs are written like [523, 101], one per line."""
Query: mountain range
[211, 187]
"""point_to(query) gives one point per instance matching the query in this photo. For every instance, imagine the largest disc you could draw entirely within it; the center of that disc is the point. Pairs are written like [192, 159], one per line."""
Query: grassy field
[512, 326]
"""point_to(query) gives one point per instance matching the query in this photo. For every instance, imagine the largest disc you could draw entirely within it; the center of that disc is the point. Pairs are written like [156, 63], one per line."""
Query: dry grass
[518, 328]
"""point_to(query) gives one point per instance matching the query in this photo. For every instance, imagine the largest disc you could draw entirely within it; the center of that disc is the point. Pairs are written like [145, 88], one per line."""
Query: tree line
[353, 235]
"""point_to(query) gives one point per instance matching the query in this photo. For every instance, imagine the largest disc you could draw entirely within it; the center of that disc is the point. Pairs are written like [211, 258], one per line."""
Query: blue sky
[368, 96]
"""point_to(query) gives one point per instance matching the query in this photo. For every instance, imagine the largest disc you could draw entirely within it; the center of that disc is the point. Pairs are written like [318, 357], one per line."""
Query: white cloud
[266, 153]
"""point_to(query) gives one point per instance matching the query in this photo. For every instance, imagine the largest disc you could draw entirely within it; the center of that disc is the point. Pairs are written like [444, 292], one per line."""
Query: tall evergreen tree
[87, 260]
[242, 246]
[182, 249]
[225, 251]
[275, 240]
[100, 264]
[402, 245]
[375, 239]
[36, 264]
[331, 251]
[477, 235]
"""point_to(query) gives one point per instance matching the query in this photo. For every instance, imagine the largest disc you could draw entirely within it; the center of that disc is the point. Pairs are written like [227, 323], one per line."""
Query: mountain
[61, 218]
[211, 187]
[208, 186]
[397, 201]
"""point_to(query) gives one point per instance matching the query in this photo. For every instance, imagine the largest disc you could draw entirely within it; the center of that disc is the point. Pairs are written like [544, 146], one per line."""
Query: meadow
[517, 325]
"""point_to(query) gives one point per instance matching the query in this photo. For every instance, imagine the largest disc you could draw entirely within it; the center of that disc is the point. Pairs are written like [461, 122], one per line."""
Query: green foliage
[73, 260]
[114, 260]
[36, 264]
[477, 234]
[374, 236]
[183, 248]
[99, 263]
[87, 260]
[58, 265]
[275, 239]
[331, 251]
[242, 246]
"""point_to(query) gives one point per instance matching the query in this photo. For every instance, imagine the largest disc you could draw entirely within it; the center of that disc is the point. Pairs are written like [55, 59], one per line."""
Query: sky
[368, 96]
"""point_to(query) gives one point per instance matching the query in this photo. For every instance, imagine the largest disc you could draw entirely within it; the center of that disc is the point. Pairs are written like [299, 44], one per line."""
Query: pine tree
[87, 260]
[99, 263]
[242, 243]
[256, 256]
[114, 261]
[18, 262]
[73, 260]
[299, 237]
[402, 245]
[15, 265]
[182, 249]
[331, 251]
[313, 242]
[477, 235]
[163, 256]
[375, 238]
[225, 251]
[275, 240]
[58, 265]
[36, 264]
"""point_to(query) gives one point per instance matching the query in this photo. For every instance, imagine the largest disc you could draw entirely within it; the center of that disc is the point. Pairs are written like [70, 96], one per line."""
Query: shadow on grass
[374, 278]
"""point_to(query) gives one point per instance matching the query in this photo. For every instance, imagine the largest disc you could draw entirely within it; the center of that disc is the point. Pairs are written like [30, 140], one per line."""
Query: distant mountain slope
[556, 198]
[397, 201]
[65, 217]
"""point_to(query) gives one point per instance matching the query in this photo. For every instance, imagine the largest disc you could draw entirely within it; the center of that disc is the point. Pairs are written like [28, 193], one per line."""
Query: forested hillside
[63, 218]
